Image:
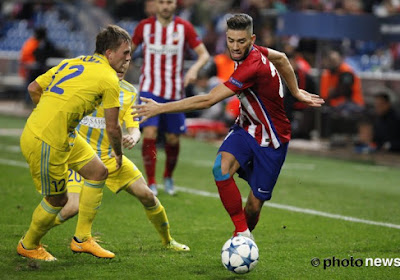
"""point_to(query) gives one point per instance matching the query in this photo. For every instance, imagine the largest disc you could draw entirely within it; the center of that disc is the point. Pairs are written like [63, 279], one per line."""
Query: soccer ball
[239, 254]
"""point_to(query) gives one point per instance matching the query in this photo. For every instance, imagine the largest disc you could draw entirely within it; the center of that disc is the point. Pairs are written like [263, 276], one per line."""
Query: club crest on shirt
[175, 37]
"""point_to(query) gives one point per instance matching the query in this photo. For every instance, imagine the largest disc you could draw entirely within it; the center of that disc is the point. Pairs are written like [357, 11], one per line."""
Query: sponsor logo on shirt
[235, 82]
[163, 49]
[94, 122]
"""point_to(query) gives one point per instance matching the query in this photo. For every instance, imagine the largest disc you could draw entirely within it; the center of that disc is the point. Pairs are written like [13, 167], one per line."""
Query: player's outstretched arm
[282, 64]
[150, 108]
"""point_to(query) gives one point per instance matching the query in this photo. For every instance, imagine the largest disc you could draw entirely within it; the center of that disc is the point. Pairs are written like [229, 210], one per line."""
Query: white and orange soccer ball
[239, 254]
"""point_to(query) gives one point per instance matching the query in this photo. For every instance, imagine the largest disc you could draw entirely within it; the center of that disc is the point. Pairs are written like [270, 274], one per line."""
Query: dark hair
[383, 95]
[240, 22]
[40, 33]
[111, 38]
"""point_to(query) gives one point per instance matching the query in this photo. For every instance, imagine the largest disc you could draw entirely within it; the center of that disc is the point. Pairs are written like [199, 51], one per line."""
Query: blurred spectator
[224, 65]
[34, 54]
[149, 8]
[27, 58]
[205, 83]
[302, 119]
[341, 89]
[387, 124]
[130, 9]
[387, 8]
[340, 86]
[224, 69]
[384, 132]
[194, 12]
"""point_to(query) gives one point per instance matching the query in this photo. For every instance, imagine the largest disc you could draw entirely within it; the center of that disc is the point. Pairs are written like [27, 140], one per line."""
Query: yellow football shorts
[117, 180]
[49, 166]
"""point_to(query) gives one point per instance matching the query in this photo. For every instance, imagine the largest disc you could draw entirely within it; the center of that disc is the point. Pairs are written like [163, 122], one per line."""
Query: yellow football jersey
[72, 90]
[92, 127]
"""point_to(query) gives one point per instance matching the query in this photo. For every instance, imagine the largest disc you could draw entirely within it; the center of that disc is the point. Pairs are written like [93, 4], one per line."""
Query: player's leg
[149, 154]
[266, 166]
[156, 213]
[74, 187]
[172, 152]
[225, 167]
[48, 168]
[86, 163]
[130, 179]
[174, 126]
[252, 210]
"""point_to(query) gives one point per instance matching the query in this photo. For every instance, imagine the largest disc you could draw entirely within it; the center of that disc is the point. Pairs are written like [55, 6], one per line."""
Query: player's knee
[217, 170]
[148, 198]
[172, 139]
[57, 200]
[103, 174]
[150, 132]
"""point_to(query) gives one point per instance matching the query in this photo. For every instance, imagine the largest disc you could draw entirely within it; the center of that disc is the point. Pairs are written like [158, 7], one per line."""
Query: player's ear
[253, 38]
[108, 53]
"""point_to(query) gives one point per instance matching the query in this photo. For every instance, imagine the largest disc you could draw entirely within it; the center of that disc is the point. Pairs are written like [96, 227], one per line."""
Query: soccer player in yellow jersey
[49, 143]
[128, 177]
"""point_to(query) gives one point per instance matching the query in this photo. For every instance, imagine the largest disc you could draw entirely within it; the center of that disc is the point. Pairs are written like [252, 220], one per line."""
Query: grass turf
[287, 240]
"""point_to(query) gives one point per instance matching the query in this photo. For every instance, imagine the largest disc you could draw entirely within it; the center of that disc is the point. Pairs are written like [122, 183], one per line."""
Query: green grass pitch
[321, 208]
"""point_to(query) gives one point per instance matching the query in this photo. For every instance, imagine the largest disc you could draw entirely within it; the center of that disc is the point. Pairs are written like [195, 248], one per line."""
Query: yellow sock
[157, 216]
[59, 220]
[42, 221]
[89, 203]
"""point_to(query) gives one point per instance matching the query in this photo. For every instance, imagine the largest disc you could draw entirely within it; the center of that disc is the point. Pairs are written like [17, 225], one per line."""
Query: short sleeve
[191, 36]
[128, 118]
[137, 37]
[243, 77]
[45, 79]
[263, 50]
[111, 92]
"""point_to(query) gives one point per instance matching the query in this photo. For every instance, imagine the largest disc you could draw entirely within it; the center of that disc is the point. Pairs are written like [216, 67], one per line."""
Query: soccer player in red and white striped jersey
[256, 146]
[164, 38]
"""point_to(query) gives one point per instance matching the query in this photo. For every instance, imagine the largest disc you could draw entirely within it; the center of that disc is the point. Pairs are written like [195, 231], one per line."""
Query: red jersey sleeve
[137, 37]
[244, 76]
[191, 36]
[263, 50]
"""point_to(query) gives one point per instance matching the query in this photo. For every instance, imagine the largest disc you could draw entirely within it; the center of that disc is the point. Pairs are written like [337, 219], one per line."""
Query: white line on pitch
[267, 204]
[298, 209]
[288, 166]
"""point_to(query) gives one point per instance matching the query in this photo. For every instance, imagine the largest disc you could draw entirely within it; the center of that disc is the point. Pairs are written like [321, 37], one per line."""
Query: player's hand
[149, 108]
[128, 141]
[190, 77]
[312, 100]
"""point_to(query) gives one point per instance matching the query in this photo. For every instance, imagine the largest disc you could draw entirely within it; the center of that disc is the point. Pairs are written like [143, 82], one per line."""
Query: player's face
[120, 58]
[239, 43]
[165, 8]
[121, 74]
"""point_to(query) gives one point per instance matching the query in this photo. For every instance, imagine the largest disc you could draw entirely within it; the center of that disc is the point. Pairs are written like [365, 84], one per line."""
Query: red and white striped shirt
[259, 89]
[163, 53]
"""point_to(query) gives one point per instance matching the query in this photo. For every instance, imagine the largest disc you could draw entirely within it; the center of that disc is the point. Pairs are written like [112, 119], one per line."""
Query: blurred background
[346, 51]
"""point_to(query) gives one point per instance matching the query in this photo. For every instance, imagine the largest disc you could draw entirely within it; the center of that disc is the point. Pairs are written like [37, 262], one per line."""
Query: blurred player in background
[256, 146]
[49, 143]
[164, 38]
[128, 177]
